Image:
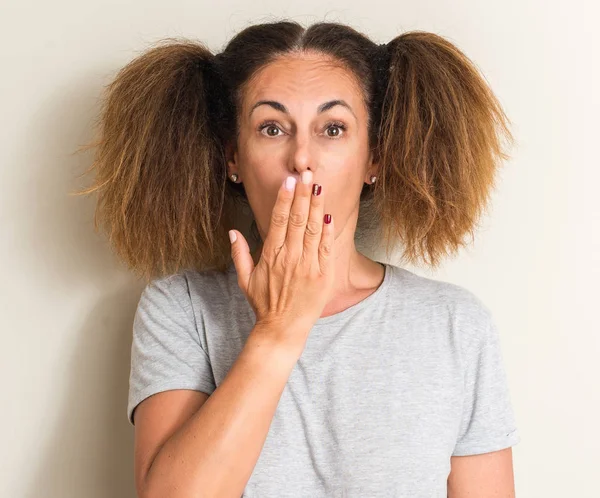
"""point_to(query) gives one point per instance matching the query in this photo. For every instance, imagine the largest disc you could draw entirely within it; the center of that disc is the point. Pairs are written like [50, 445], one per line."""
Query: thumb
[242, 259]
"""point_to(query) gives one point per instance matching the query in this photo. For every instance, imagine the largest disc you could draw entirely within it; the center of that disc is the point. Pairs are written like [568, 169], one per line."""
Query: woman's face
[301, 127]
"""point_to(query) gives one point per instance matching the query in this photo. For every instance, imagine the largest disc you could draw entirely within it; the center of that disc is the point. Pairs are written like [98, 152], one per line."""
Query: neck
[354, 272]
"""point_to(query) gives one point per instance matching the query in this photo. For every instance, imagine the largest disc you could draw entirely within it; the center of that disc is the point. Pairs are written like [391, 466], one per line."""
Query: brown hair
[163, 195]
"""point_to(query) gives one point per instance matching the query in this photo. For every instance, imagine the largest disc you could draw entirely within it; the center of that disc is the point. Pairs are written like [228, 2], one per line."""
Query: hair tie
[381, 66]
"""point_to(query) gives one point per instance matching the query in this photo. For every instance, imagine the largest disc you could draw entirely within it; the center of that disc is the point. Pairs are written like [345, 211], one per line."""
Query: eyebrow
[322, 108]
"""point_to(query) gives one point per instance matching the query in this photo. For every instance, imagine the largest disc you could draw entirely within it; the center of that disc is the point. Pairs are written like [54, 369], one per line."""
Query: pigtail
[440, 143]
[159, 163]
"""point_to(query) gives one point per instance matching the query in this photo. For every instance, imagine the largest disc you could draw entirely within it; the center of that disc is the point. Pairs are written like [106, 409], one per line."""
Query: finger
[279, 217]
[242, 259]
[314, 225]
[294, 240]
[327, 247]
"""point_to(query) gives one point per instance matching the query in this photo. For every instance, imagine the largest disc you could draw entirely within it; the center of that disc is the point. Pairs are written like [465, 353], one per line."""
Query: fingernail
[327, 219]
[306, 177]
[290, 181]
[316, 189]
[232, 236]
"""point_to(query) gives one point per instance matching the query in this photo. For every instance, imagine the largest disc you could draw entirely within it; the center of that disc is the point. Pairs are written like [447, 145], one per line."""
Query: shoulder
[212, 285]
[459, 310]
[429, 291]
[188, 285]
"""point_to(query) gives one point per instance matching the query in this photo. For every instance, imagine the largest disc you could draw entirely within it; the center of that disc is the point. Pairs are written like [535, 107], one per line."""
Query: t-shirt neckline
[370, 299]
[387, 277]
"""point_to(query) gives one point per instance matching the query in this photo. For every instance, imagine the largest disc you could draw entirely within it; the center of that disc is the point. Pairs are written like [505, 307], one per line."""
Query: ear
[372, 168]
[231, 157]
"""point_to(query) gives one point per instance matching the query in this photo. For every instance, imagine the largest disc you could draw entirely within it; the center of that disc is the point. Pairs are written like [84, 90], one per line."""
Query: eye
[335, 125]
[269, 125]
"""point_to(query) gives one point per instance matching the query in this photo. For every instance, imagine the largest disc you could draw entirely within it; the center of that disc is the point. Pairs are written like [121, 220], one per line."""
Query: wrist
[288, 340]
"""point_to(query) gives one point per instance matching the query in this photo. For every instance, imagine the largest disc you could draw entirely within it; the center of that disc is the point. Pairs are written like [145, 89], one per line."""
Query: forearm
[214, 452]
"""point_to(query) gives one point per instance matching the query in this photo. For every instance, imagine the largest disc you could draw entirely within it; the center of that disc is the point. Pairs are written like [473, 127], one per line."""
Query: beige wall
[67, 305]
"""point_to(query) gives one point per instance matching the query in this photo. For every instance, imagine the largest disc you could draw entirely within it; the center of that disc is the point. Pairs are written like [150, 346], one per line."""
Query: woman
[301, 367]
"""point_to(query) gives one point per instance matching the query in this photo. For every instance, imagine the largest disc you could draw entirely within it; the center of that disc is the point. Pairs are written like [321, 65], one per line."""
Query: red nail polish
[327, 219]
[316, 189]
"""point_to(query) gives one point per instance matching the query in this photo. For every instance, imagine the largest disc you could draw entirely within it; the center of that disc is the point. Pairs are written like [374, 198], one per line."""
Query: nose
[302, 158]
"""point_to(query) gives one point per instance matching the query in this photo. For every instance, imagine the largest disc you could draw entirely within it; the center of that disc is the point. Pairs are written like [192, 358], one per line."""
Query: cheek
[343, 185]
[346, 173]
[260, 164]
[261, 186]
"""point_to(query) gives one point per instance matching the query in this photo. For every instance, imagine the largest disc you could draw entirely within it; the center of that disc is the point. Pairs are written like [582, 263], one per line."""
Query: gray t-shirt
[384, 393]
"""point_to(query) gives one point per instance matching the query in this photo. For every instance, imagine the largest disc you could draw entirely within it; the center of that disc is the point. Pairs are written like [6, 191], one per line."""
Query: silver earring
[373, 178]
[234, 177]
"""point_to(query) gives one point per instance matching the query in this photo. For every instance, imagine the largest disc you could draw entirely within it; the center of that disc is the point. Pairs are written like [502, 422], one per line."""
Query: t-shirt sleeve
[488, 421]
[166, 351]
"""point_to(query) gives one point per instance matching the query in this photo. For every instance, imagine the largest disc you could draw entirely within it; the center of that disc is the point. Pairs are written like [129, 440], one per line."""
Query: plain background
[67, 304]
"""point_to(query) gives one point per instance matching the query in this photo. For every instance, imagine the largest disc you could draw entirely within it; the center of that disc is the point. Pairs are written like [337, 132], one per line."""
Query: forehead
[303, 80]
